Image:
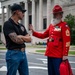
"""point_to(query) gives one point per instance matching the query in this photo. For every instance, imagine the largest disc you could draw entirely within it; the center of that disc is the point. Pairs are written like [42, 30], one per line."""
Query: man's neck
[15, 19]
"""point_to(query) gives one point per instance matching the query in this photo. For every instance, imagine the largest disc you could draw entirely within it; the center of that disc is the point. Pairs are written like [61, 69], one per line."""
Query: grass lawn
[36, 46]
[40, 51]
[2, 48]
[70, 52]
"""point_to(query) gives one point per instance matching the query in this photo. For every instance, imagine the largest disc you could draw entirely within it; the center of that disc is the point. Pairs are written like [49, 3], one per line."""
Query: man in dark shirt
[16, 35]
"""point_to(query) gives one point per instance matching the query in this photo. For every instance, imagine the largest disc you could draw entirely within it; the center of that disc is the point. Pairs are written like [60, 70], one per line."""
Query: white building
[39, 12]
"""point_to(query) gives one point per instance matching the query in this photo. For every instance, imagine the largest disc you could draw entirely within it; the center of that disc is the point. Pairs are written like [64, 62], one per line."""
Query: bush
[0, 42]
[70, 19]
[73, 37]
[40, 43]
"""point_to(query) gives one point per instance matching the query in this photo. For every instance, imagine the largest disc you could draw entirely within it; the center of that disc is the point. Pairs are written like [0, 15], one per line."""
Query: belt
[22, 49]
[52, 40]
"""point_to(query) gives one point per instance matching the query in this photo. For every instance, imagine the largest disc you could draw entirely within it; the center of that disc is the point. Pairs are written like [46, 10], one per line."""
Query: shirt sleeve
[8, 28]
[66, 39]
[41, 35]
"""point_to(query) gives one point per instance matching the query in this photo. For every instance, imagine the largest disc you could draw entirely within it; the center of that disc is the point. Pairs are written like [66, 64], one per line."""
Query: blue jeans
[16, 60]
[53, 65]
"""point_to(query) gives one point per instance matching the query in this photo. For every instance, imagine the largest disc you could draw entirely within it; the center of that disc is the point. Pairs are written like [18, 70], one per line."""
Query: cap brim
[57, 12]
[24, 11]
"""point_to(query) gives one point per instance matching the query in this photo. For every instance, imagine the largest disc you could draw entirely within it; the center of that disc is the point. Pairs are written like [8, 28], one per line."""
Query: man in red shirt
[58, 43]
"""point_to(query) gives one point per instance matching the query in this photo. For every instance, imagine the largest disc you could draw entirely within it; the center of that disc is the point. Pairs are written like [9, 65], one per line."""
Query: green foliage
[70, 19]
[73, 37]
[41, 43]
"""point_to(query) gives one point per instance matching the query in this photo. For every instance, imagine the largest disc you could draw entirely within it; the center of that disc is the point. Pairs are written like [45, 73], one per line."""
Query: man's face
[57, 15]
[20, 14]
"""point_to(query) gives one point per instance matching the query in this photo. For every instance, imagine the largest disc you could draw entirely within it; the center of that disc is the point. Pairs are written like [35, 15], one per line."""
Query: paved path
[37, 64]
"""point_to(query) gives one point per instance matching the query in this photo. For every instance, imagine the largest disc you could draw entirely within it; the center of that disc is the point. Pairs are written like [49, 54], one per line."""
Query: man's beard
[20, 18]
[55, 21]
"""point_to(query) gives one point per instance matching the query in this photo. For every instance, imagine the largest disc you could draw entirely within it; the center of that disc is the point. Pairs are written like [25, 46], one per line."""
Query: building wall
[69, 8]
[1, 18]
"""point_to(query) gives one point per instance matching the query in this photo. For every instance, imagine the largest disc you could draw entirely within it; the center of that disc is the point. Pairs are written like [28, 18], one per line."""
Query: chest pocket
[17, 30]
[55, 34]
[55, 31]
[20, 29]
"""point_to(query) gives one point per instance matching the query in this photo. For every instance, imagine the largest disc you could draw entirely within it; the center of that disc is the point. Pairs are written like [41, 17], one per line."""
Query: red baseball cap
[57, 9]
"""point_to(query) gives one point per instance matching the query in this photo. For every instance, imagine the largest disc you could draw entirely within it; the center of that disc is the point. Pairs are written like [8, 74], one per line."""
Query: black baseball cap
[15, 7]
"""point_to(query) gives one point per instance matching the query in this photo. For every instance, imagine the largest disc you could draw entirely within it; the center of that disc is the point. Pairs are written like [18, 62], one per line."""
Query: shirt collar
[13, 21]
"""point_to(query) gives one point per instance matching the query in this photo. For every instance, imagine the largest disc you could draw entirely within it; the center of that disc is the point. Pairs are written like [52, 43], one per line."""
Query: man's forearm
[14, 37]
[26, 38]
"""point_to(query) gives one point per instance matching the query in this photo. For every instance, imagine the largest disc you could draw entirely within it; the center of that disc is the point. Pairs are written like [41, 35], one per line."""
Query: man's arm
[14, 37]
[66, 40]
[38, 34]
[26, 38]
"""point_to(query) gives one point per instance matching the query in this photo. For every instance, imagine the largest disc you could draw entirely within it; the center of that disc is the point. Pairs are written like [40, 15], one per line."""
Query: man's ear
[17, 11]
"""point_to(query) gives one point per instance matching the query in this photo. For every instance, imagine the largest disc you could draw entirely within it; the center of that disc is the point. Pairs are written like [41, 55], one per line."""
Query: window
[0, 28]
[44, 23]
[30, 19]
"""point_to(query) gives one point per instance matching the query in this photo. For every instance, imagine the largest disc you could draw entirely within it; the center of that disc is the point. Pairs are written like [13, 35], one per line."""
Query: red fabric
[65, 40]
[65, 68]
[57, 9]
[57, 48]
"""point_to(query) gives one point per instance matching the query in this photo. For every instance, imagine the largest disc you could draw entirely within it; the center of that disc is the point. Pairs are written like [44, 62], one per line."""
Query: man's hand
[65, 57]
[31, 28]
[20, 36]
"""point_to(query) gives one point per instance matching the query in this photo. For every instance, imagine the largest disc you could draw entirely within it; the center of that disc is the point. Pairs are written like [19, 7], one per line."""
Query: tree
[70, 19]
